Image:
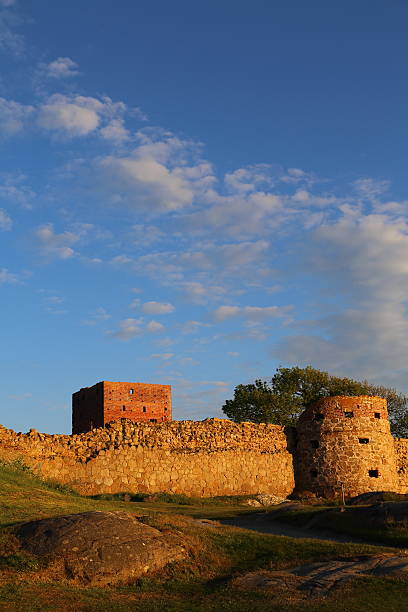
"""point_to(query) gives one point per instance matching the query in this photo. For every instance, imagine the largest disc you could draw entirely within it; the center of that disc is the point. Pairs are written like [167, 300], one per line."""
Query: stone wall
[401, 453]
[207, 458]
[217, 457]
[345, 443]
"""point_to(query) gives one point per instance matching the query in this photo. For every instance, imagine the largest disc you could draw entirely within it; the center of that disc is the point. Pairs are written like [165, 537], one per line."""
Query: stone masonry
[345, 443]
[340, 441]
[207, 458]
[109, 401]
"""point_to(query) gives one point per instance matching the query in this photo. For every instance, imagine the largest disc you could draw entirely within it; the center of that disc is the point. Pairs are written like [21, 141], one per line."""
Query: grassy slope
[198, 584]
[24, 497]
[350, 522]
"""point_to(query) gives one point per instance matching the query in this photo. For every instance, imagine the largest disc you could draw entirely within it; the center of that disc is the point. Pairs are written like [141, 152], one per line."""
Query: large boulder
[101, 547]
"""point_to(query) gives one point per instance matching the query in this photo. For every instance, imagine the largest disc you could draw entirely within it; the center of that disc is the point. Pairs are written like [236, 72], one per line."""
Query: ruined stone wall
[345, 442]
[401, 453]
[207, 458]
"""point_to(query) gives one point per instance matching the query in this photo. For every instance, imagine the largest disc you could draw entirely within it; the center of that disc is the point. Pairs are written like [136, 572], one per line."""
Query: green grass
[200, 583]
[351, 521]
[25, 496]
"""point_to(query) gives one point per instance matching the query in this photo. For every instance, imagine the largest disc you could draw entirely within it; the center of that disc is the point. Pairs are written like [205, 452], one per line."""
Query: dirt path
[263, 523]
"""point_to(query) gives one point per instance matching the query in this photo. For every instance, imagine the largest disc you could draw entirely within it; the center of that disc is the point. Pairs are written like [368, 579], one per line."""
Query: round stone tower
[345, 443]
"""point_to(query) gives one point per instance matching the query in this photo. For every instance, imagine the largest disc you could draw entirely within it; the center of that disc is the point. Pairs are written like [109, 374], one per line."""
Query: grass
[353, 521]
[24, 496]
[200, 583]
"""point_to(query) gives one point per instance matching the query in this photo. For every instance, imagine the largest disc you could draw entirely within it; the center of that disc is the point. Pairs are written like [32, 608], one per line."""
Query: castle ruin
[107, 401]
[341, 444]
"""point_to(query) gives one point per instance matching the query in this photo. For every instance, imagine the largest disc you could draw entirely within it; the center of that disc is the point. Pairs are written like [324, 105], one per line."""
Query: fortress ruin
[340, 444]
[107, 401]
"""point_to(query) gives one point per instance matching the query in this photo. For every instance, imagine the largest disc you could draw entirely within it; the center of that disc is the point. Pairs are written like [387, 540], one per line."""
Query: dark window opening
[153, 420]
[318, 416]
[377, 415]
[313, 473]
[131, 391]
[363, 440]
[349, 415]
[165, 410]
[314, 443]
[144, 408]
[123, 408]
[373, 473]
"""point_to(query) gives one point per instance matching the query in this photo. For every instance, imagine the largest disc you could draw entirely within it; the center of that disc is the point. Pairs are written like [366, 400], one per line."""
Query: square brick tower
[108, 401]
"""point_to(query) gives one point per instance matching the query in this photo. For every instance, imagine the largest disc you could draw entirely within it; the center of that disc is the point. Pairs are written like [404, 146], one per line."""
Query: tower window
[131, 391]
[123, 408]
[153, 420]
[318, 416]
[313, 473]
[314, 443]
[377, 415]
[363, 440]
[144, 408]
[373, 473]
[349, 415]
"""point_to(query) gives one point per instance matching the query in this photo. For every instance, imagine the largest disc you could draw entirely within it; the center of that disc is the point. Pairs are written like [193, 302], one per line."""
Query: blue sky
[194, 194]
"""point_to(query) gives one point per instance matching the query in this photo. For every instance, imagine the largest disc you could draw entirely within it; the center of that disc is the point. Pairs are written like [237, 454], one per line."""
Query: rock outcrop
[101, 547]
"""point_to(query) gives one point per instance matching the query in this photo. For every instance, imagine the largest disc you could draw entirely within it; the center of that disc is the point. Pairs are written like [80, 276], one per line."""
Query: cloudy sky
[196, 193]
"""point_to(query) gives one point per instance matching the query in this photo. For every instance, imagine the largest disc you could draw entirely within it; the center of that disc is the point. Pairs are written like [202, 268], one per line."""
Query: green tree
[258, 403]
[291, 390]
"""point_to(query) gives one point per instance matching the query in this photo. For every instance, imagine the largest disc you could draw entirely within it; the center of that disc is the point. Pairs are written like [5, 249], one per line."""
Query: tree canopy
[291, 390]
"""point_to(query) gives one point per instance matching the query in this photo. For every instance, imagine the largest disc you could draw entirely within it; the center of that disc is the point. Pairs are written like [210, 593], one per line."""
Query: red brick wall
[147, 402]
[87, 409]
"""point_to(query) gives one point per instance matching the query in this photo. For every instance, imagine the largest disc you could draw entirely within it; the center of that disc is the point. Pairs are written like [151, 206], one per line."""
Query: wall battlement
[219, 457]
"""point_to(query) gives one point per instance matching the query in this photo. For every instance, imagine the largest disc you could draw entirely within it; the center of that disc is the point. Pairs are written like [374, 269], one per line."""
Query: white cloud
[78, 115]
[21, 397]
[163, 356]
[250, 179]
[128, 329]
[363, 260]
[163, 173]
[191, 327]
[252, 313]
[14, 191]
[201, 292]
[7, 277]
[10, 41]
[5, 220]
[98, 316]
[145, 182]
[142, 234]
[370, 188]
[157, 308]
[13, 116]
[121, 260]
[7, 3]
[154, 327]
[62, 68]
[115, 131]
[52, 245]
[226, 259]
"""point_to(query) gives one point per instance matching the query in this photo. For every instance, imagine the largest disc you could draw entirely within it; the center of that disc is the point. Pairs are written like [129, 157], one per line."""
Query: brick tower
[108, 401]
[344, 443]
